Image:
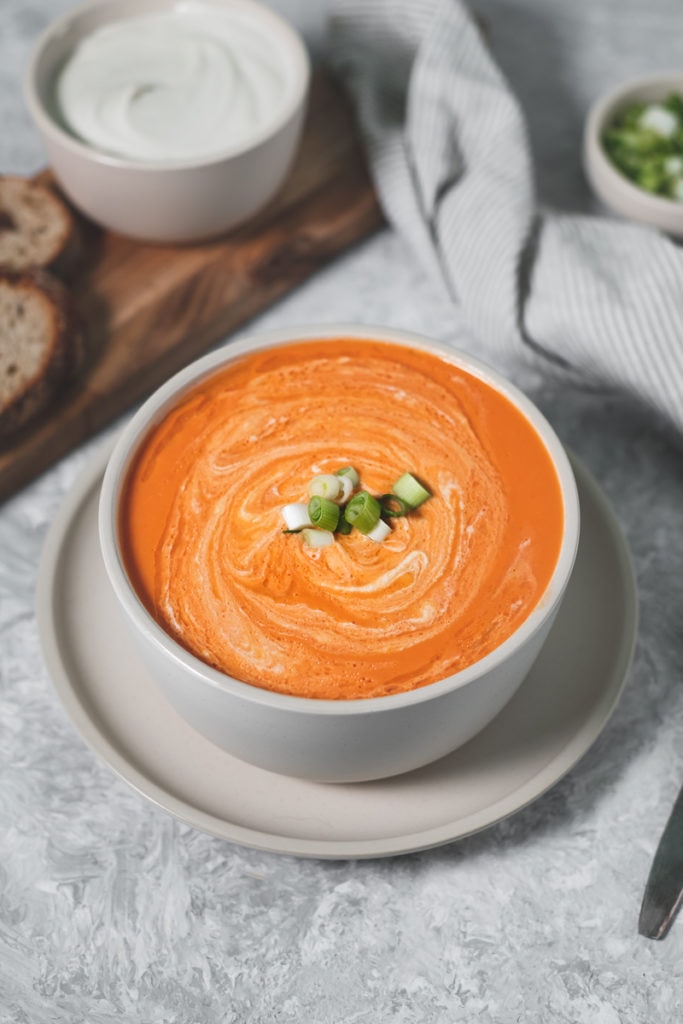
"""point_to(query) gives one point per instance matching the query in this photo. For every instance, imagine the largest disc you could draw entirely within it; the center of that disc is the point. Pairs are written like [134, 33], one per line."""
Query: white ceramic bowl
[610, 185]
[172, 201]
[328, 740]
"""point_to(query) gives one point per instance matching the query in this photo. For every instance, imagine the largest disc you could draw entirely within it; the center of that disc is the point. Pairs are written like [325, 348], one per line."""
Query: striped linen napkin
[596, 298]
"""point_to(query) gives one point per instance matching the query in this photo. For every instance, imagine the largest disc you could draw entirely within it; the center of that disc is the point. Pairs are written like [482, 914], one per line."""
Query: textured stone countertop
[110, 909]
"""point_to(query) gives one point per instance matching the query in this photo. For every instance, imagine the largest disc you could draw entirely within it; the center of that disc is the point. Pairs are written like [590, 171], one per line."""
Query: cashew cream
[178, 85]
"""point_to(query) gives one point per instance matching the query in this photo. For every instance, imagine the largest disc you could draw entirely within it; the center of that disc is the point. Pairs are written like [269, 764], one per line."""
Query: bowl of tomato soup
[339, 550]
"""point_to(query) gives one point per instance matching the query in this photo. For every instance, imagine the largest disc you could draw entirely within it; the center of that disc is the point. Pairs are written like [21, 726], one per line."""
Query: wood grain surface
[149, 310]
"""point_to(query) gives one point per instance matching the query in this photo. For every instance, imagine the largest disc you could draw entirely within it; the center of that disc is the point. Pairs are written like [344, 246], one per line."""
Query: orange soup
[203, 537]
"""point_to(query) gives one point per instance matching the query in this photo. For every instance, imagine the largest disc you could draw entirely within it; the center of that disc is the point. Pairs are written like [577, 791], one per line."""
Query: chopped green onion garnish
[323, 513]
[317, 538]
[347, 489]
[351, 473]
[380, 531]
[392, 505]
[296, 516]
[645, 142]
[410, 490]
[325, 485]
[363, 511]
[332, 508]
[342, 525]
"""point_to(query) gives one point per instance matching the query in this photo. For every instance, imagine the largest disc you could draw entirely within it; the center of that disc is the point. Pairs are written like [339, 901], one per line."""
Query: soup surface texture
[202, 531]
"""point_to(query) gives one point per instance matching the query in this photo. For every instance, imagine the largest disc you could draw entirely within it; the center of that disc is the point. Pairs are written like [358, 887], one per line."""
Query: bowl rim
[283, 29]
[154, 408]
[604, 107]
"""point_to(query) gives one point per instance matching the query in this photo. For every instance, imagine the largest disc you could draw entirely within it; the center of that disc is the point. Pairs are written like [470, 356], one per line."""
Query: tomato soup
[203, 537]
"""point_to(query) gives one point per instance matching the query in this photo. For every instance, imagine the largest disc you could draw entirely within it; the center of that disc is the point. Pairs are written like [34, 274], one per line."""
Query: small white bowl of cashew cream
[169, 120]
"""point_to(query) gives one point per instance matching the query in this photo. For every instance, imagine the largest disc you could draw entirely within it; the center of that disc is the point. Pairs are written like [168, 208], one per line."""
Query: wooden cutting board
[150, 310]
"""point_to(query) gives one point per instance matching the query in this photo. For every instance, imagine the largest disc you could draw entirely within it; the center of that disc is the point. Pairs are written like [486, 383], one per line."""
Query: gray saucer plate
[557, 714]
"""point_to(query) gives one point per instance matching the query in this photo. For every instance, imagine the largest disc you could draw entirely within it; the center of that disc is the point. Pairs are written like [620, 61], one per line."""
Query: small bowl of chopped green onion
[633, 151]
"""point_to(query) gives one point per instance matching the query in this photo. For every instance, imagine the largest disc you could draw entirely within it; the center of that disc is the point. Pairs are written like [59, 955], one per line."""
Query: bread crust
[61, 351]
[37, 228]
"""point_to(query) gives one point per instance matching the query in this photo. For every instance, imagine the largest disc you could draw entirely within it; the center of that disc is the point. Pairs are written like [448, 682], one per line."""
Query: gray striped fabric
[597, 298]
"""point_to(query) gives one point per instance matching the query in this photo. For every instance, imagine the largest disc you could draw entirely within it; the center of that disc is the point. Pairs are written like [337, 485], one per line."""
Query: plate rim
[338, 849]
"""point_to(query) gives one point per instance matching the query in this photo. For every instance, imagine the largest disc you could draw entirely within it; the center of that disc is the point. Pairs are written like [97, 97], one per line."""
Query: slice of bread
[40, 345]
[37, 229]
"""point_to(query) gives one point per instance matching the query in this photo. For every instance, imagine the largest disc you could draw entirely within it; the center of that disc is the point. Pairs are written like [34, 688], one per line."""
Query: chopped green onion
[323, 513]
[342, 525]
[325, 485]
[393, 506]
[351, 473]
[645, 143]
[347, 490]
[363, 511]
[296, 516]
[380, 531]
[656, 118]
[410, 490]
[332, 508]
[317, 538]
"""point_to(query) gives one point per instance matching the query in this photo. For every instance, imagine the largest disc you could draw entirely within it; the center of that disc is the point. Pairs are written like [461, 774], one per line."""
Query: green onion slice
[363, 511]
[325, 485]
[295, 516]
[392, 505]
[380, 531]
[323, 513]
[410, 490]
[347, 489]
[317, 538]
[342, 525]
[351, 473]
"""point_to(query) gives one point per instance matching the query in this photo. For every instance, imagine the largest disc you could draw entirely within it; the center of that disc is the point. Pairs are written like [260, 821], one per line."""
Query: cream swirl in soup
[177, 85]
[202, 530]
